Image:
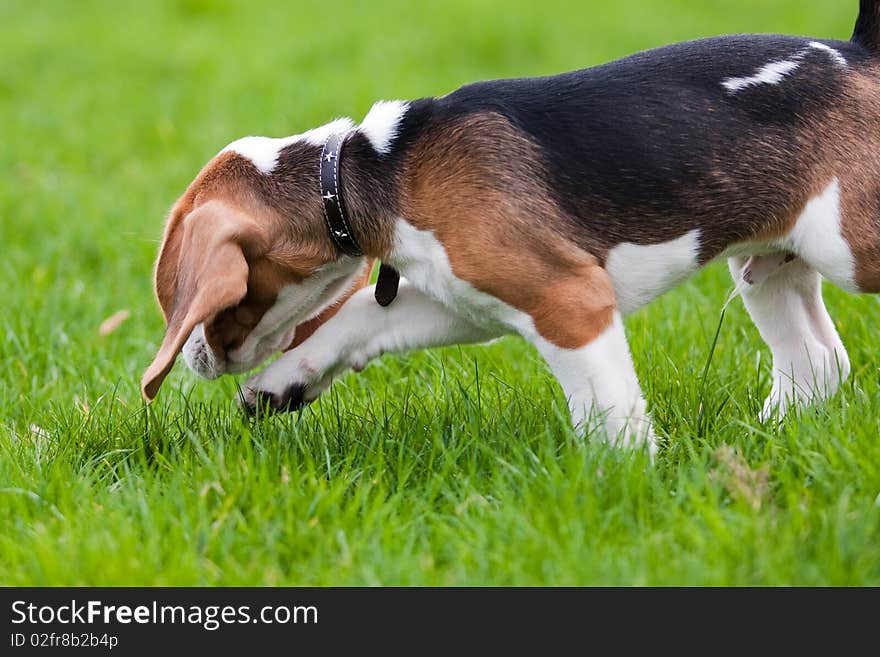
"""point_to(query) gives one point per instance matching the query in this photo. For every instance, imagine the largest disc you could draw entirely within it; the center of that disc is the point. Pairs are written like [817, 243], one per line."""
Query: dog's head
[246, 267]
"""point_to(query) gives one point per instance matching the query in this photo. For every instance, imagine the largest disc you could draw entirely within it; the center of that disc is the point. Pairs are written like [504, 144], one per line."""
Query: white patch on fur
[839, 59]
[817, 238]
[772, 73]
[641, 273]
[263, 151]
[775, 72]
[381, 123]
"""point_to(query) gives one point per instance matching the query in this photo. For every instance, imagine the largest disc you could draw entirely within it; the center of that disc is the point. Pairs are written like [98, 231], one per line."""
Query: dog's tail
[867, 32]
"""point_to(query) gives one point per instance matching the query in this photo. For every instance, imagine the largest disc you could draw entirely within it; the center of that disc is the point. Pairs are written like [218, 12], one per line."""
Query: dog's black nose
[290, 400]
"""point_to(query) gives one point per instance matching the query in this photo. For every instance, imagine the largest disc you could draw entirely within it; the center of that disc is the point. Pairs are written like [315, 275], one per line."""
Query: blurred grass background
[451, 467]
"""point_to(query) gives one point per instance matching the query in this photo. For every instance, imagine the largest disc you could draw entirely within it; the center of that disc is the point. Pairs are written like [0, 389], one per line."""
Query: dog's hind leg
[786, 305]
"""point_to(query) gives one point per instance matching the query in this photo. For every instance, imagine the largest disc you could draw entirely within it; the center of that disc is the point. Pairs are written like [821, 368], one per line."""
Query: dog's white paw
[281, 388]
[632, 431]
[805, 378]
[635, 430]
[638, 432]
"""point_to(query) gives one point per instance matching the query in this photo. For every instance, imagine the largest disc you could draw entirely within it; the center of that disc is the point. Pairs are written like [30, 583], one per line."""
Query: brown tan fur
[477, 188]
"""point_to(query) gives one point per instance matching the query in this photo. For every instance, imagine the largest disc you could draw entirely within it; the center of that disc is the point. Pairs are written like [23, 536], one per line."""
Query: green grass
[455, 466]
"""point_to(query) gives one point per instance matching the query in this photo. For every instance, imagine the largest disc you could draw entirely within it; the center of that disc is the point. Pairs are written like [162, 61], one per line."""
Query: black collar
[331, 193]
[337, 221]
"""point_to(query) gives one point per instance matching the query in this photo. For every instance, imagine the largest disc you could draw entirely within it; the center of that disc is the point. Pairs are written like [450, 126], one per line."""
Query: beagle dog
[545, 207]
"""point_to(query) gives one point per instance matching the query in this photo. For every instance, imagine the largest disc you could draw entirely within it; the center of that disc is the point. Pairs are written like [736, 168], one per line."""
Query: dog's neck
[373, 170]
[368, 184]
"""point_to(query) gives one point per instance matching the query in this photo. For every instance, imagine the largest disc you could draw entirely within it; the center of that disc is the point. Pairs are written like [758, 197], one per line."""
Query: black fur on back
[646, 148]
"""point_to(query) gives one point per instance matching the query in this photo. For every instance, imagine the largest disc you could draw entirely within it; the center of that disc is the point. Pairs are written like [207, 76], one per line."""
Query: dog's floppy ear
[200, 272]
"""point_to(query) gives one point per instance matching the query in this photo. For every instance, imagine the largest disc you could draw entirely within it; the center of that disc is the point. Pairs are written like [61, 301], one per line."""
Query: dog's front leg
[601, 386]
[361, 331]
